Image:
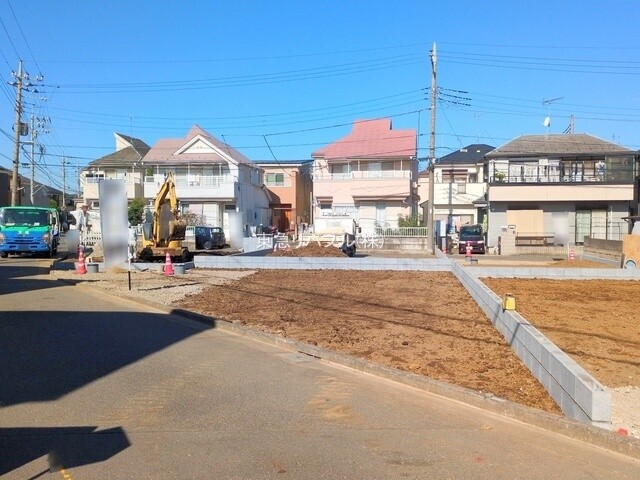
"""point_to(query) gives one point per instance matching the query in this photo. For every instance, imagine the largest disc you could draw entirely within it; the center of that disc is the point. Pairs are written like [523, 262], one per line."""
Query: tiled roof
[165, 150]
[134, 142]
[469, 155]
[557, 145]
[124, 157]
[372, 139]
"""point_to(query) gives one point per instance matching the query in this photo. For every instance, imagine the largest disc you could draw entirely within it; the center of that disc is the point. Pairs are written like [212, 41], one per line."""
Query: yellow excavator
[166, 232]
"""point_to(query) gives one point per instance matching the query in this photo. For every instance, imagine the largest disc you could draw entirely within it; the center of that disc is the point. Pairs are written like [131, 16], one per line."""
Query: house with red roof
[369, 175]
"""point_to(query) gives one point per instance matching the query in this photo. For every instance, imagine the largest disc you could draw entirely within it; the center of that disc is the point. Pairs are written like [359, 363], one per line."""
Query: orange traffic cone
[168, 266]
[81, 268]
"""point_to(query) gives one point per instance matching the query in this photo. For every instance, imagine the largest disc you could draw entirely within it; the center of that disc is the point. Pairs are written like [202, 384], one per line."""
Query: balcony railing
[574, 173]
[364, 175]
[95, 180]
[193, 180]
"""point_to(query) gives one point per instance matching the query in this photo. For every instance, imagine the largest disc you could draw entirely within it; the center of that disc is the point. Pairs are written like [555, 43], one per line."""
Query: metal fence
[401, 231]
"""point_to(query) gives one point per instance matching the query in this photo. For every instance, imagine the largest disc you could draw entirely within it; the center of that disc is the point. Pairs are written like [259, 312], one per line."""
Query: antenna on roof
[547, 102]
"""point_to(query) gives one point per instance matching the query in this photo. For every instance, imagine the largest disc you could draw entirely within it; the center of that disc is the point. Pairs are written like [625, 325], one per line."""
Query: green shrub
[409, 221]
[136, 211]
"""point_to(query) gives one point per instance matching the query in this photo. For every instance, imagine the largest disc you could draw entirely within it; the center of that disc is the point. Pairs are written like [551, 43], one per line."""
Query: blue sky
[280, 79]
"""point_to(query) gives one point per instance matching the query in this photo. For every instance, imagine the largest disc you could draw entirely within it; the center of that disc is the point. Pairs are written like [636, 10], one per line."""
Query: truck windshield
[23, 217]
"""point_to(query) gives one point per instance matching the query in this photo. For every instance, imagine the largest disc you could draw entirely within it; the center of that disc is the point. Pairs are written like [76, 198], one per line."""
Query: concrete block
[593, 397]
[601, 406]
[554, 389]
[531, 341]
[572, 409]
[545, 357]
[562, 370]
[536, 370]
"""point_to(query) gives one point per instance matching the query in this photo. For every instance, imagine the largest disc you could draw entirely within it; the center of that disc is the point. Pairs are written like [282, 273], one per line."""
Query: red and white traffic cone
[468, 252]
[572, 255]
[168, 266]
[81, 268]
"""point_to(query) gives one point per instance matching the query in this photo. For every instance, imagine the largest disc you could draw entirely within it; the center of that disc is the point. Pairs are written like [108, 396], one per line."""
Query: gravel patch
[153, 285]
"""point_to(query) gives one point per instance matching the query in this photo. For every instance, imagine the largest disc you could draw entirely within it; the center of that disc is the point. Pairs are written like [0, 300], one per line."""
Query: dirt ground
[596, 322]
[427, 323]
[423, 322]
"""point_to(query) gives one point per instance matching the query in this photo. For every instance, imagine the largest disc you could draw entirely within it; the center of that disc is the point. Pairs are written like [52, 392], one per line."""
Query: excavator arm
[166, 197]
[167, 230]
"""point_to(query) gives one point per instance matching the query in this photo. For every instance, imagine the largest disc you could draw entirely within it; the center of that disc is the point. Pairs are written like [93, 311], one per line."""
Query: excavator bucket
[177, 229]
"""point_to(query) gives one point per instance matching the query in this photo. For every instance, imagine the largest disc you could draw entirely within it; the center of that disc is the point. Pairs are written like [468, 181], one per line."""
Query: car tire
[4, 254]
[207, 245]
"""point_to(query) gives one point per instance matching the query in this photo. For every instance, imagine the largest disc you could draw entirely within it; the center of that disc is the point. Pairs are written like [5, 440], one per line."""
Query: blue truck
[29, 230]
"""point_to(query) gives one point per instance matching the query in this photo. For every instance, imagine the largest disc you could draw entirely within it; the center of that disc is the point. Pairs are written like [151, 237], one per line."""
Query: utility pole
[33, 159]
[64, 183]
[17, 128]
[432, 151]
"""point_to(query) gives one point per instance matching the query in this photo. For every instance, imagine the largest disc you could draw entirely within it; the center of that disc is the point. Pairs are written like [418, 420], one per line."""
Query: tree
[136, 211]
[53, 203]
[409, 221]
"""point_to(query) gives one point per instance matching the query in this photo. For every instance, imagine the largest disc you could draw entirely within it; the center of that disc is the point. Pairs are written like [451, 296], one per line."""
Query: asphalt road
[104, 388]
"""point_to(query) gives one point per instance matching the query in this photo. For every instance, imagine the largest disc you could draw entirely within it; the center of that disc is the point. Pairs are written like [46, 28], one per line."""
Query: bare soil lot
[596, 322]
[423, 322]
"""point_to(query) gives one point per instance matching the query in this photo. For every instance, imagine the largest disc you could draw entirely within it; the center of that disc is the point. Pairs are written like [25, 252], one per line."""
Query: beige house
[370, 175]
[558, 189]
[123, 164]
[212, 178]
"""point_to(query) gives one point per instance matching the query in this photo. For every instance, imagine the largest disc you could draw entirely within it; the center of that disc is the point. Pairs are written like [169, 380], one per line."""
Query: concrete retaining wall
[555, 273]
[323, 263]
[606, 249]
[579, 395]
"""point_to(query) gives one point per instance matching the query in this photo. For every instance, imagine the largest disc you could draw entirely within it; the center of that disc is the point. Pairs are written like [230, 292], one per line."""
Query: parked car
[471, 235]
[208, 238]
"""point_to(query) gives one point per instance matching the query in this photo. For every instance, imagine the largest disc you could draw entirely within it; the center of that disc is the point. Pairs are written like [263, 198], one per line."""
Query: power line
[10, 39]
[248, 80]
[24, 37]
[236, 59]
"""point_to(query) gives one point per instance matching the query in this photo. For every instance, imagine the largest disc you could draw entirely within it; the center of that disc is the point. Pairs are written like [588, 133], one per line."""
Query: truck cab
[29, 230]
